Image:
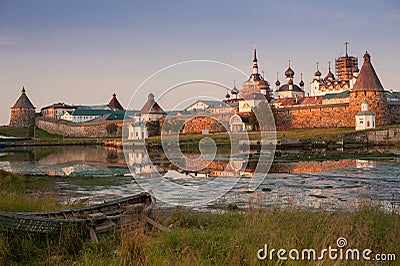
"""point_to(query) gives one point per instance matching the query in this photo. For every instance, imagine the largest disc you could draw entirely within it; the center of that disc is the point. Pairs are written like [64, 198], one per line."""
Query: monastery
[351, 97]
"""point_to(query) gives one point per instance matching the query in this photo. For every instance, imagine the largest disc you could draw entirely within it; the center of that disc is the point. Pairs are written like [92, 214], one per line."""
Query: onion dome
[301, 80]
[317, 73]
[289, 73]
[234, 90]
[330, 75]
[277, 82]
[227, 96]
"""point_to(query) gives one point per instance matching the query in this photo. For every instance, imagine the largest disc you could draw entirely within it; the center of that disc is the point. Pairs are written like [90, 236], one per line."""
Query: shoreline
[304, 139]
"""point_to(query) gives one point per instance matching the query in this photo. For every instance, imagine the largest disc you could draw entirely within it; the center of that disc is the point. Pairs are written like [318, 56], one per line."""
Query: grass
[231, 238]
[41, 134]
[315, 133]
[27, 193]
[22, 132]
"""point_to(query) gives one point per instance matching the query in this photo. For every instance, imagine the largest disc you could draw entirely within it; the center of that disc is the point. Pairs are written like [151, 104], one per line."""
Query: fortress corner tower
[369, 88]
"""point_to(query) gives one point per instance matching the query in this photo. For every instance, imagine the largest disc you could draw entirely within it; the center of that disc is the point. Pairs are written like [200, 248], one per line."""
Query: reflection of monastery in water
[140, 163]
[100, 161]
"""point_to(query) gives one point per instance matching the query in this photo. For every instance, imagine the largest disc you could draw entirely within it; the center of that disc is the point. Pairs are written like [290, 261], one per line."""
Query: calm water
[97, 173]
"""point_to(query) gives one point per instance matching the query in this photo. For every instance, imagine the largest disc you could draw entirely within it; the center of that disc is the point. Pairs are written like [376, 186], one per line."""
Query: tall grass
[18, 193]
[231, 238]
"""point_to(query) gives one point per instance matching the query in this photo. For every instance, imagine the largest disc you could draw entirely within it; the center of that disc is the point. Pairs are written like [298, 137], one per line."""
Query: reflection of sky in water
[328, 185]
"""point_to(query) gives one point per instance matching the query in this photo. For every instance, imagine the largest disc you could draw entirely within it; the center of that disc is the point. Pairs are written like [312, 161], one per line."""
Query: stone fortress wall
[314, 117]
[69, 129]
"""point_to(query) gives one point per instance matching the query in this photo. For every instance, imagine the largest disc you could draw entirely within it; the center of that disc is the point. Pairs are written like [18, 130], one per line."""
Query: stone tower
[369, 88]
[23, 112]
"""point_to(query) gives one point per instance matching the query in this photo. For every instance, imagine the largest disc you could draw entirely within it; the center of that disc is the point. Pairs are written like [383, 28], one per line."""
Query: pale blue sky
[80, 52]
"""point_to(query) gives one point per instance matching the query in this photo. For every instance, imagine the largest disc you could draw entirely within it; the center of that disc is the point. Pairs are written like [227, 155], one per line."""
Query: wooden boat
[98, 218]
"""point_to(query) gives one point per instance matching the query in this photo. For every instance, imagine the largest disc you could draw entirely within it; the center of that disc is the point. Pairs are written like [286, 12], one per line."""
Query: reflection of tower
[236, 165]
[140, 163]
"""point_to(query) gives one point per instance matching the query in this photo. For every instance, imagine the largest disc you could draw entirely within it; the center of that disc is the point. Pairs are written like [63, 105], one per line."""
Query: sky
[81, 52]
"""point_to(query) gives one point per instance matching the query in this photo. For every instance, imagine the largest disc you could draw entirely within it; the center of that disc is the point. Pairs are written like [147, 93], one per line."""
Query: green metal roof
[343, 94]
[116, 115]
[365, 113]
[393, 94]
[104, 114]
[88, 112]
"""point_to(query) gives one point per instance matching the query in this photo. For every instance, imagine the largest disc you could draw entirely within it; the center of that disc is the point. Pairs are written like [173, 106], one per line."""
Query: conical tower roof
[114, 103]
[23, 101]
[151, 106]
[367, 79]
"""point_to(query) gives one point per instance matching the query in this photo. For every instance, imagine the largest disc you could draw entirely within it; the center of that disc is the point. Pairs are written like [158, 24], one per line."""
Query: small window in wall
[367, 123]
[361, 122]
[365, 93]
